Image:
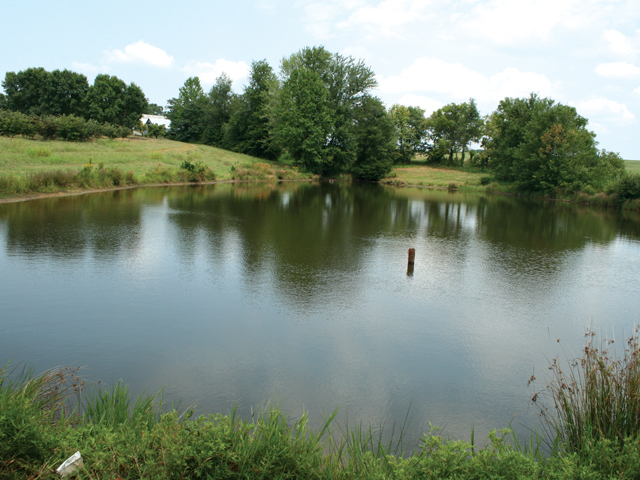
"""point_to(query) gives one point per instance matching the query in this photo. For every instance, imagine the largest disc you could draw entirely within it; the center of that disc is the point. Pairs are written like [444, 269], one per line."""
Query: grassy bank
[473, 179]
[32, 166]
[590, 411]
[431, 176]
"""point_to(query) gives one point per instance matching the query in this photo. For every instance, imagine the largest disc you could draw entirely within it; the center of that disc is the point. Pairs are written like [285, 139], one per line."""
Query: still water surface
[234, 295]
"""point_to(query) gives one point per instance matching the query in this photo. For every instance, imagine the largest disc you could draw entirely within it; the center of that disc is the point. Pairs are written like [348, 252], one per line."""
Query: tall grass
[122, 438]
[49, 181]
[594, 397]
[113, 406]
[30, 405]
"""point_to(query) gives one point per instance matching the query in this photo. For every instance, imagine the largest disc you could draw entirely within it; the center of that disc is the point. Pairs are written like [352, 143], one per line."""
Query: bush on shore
[65, 127]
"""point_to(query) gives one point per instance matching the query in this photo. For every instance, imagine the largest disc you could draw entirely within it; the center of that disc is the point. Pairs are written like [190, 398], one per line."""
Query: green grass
[34, 166]
[440, 176]
[41, 425]
[633, 166]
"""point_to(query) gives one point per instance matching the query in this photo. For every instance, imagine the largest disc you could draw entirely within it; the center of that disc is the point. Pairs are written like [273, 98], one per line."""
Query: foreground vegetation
[590, 407]
[31, 166]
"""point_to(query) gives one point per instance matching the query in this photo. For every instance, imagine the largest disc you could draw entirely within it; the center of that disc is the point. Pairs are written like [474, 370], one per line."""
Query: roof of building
[157, 119]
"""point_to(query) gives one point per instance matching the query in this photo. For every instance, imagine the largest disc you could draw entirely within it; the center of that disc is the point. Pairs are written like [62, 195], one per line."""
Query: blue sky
[584, 53]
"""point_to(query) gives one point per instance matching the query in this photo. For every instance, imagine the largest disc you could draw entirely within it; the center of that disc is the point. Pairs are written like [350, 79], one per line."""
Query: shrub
[48, 127]
[485, 181]
[196, 172]
[16, 123]
[626, 187]
[72, 128]
[110, 131]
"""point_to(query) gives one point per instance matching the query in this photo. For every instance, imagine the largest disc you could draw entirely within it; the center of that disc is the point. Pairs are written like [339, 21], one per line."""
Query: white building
[157, 119]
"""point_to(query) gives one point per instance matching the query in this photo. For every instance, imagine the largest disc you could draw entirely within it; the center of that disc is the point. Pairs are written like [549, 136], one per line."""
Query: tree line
[319, 112]
[37, 92]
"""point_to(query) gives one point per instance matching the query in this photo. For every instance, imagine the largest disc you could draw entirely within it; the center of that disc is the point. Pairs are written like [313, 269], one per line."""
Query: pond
[300, 294]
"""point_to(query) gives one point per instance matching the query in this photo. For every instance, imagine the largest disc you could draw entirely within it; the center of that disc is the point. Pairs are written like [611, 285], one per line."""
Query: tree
[217, 111]
[153, 109]
[343, 83]
[539, 145]
[155, 130]
[186, 111]
[65, 94]
[304, 120]
[375, 139]
[411, 130]
[248, 127]
[25, 90]
[452, 128]
[470, 126]
[110, 100]
[38, 92]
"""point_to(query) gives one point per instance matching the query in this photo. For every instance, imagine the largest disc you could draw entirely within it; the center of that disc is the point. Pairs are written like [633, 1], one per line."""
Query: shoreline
[73, 193]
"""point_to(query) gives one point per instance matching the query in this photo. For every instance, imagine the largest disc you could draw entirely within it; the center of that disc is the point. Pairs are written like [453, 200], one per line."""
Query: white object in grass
[70, 465]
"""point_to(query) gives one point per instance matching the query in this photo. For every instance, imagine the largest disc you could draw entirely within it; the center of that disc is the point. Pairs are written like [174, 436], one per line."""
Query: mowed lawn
[434, 176]
[20, 156]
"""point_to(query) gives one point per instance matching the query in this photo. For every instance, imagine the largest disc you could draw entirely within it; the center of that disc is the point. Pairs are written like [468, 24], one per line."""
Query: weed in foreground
[595, 397]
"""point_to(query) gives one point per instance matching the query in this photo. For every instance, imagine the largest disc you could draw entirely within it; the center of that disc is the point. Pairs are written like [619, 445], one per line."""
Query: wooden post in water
[412, 257]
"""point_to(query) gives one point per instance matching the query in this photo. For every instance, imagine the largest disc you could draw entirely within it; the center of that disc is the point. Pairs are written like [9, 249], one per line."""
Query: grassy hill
[20, 156]
[31, 167]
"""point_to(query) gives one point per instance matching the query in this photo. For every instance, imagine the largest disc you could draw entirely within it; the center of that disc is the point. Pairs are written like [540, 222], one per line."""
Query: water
[236, 295]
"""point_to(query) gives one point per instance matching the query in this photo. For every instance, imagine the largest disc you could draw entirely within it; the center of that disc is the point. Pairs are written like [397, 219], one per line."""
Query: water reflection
[231, 294]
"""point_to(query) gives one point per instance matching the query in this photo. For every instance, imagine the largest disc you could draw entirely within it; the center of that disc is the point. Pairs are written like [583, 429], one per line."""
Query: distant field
[633, 165]
[434, 176]
[20, 156]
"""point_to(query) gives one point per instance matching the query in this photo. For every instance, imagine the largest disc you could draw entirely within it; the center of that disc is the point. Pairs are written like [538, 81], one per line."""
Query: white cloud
[454, 79]
[509, 21]
[617, 70]
[141, 52]
[605, 110]
[619, 44]
[429, 105]
[637, 91]
[387, 15]
[209, 72]
[384, 17]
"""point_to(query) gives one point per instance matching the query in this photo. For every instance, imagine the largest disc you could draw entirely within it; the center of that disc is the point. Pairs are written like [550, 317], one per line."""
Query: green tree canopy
[539, 145]
[410, 130]
[186, 111]
[217, 111]
[38, 92]
[153, 109]
[452, 128]
[342, 83]
[248, 127]
[304, 120]
[375, 140]
[110, 100]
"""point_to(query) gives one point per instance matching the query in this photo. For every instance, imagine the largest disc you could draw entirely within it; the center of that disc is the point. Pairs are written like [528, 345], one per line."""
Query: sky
[426, 53]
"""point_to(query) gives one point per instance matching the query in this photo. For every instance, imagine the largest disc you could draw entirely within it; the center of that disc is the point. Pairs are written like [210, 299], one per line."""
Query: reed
[594, 397]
